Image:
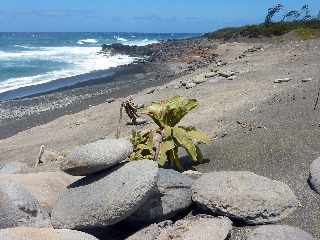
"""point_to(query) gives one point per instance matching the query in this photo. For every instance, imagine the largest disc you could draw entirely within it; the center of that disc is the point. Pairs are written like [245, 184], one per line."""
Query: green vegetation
[298, 21]
[268, 30]
[306, 33]
[162, 144]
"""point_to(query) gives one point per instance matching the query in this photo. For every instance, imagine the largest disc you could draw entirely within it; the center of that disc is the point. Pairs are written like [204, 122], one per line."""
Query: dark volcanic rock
[136, 51]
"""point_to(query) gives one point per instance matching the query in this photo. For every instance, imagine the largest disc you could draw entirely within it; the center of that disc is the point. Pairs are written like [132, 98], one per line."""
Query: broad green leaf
[155, 112]
[165, 146]
[181, 136]
[166, 132]
[177, 108]
[170, 112]
[174, 158]
[199, 153]
[197, 135]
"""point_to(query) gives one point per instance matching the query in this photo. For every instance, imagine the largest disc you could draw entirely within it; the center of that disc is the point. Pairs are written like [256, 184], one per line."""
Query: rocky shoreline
[163, 62]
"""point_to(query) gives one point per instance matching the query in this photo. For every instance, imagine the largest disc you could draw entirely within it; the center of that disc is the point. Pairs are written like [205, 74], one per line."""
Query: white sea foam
[23, 46]
[78, 60]
[143, 42]
[121, 39]
[87, 41]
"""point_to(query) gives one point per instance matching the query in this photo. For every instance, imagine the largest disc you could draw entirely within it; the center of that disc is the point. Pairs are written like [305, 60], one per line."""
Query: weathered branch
[38, 161]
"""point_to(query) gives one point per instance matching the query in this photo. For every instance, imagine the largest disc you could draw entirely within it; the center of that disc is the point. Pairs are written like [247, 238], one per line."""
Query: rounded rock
[171, 196]
[97, 156]
[244, 197]
[106, 198]
[43, 234]
[314, 178]
[19, 208]
[200, 227]
[279, 232]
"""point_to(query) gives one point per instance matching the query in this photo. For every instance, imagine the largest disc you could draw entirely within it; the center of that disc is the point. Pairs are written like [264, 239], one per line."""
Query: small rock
[221, 63]
[139, 106]
[139, 121]
[231, 78]
[314, 178]
[282, 80]
[47, 156]
[110, 100]
[200, 81]
[22, 233]
[226, 74]
[306, 80]
[151, 91]
[13, 168]
[195, 228]
[190, 85]
[279, 232]
[97, 156]
[19, 208]
[107, 198]
[172, 195]
[211, 75]
[192, 174]
[244, 197]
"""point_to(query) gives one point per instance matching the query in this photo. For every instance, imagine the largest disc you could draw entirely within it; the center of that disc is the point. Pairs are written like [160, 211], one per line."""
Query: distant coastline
[31, 59]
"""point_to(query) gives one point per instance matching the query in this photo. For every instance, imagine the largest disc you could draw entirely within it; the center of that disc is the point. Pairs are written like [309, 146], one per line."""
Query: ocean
[29, 59]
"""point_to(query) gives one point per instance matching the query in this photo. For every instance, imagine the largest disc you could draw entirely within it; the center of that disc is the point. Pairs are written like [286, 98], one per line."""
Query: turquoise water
[28, 59]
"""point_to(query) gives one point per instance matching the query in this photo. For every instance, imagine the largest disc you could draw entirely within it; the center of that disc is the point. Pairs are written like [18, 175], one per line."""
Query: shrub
[162, 144]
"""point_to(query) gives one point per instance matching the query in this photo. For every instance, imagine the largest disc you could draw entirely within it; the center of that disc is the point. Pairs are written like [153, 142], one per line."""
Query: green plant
[305, 33]
[162, 143]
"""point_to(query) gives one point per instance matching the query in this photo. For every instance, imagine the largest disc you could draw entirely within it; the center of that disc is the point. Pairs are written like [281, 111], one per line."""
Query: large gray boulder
[19, 208]
[244, 197]
[97, 156]
[43, 186]
[314, 178]
[107, 198]
[200, 228]
[279, 232]
[43, 234]
[171, 196]
[13, 167]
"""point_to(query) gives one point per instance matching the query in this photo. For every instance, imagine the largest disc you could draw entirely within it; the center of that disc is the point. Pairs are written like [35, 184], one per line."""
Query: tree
[305, 12]
[272, 12]
[291, 16]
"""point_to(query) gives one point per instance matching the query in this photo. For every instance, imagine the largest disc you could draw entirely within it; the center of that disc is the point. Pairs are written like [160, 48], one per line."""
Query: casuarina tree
[272, 12]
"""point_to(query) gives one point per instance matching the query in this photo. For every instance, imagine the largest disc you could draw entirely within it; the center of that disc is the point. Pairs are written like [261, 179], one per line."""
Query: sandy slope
[283, 134]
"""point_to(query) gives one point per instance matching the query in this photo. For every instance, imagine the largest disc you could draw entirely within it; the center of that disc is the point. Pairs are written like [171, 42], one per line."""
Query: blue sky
[135, 15]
